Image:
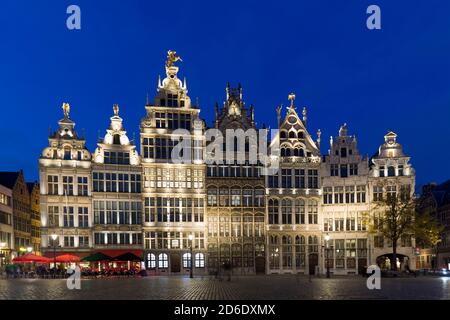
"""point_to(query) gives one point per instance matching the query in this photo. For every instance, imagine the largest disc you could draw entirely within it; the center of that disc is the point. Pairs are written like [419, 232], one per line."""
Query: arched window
[313, 244]
[312, 212]
[287, 251]
[288, 152]
[236, 252]
[163, 261]
[273, 211]
[224, 253]
[283, 134]
[116, 139]
[151, 261]
[300, 211]
[301, 153]
[274, 255]
[199, 260]
[301, 135]
[248, 255]
[292, 135]
[186, 260]
[296, 153]
[286, 211]
[391, 171]
[283, 152]
[67, 153]
[300, 251]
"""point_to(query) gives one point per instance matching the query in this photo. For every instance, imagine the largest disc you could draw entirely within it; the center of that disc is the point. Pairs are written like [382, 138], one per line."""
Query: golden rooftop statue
[66, 109]
[291, 97]
[172, 58]
[116, 109]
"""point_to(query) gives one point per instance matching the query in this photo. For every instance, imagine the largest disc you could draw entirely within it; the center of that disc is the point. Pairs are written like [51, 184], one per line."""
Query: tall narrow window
[52, 185]
[273, 211]
[286, 211]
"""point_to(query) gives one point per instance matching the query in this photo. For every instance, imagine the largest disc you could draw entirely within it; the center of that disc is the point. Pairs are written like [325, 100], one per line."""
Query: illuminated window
[313, 179]
[273, 211]
[82, 186]
[151, 261]
[83, 217]
[68, 217]
[52, 185]
[199, 260]
[286, 211]
[53, 216]
[186, 260]
[327, 195]
[312, 212]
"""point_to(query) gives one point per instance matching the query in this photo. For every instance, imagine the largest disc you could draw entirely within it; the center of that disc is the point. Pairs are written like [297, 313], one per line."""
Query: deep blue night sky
[396, 78]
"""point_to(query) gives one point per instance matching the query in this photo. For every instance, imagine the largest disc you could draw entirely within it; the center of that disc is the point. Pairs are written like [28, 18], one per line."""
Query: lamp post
[29, 249]
[327, 239]
[2, 254]
[191, 271]
[54, 237]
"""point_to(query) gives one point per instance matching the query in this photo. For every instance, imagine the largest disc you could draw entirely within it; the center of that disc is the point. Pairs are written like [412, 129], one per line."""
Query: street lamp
[54, 237]
[191, 271]
[2, 255]
[29, 249]
[327, 239]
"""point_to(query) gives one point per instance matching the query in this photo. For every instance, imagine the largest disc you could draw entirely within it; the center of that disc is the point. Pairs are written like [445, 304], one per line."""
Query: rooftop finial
[305, 113]
[116, 109]
[172, 58]
[291, 98]
[279, 115]
[66, 109]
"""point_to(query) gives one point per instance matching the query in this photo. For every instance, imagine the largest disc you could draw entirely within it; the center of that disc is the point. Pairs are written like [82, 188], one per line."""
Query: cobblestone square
[274, 287]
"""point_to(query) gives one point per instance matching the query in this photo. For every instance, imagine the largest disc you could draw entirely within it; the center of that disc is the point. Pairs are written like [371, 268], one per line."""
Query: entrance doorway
[175, 263]
[313, 262]
[260, 265]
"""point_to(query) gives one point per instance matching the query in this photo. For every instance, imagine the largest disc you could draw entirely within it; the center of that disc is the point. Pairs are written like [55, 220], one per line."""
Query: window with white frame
[186, 260]
[82, 186]
[199, 260]
[52, 182]
[68, 185]
[151, 261]
[163, 261]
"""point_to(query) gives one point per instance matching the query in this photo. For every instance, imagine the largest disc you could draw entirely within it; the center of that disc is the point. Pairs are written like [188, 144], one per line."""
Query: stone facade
[309, 215]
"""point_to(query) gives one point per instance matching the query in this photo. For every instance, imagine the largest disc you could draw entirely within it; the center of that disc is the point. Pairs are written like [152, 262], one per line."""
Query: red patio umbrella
[29, 257]
[67, 258]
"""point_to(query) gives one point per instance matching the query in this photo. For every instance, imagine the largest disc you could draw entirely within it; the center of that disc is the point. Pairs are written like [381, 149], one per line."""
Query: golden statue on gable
[172, 58]
[116, 109]
[66, 109]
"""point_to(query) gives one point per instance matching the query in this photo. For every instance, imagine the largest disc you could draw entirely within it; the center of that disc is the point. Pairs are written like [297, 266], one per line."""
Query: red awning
[81, 255]
[67, 258]
[31, 258]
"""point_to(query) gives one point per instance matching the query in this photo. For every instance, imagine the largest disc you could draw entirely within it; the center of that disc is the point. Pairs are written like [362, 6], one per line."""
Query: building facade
[34, 192]
[66, 191]
[345, 205]
[390, 174]
[6, 225]
[179, 212]
[116, 192]
[294, 235]
[174, 184]
[21, 219]
[435, 200]
[235, 193]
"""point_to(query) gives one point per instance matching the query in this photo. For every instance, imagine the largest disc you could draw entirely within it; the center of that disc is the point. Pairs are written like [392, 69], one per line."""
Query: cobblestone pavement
[249, 287]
